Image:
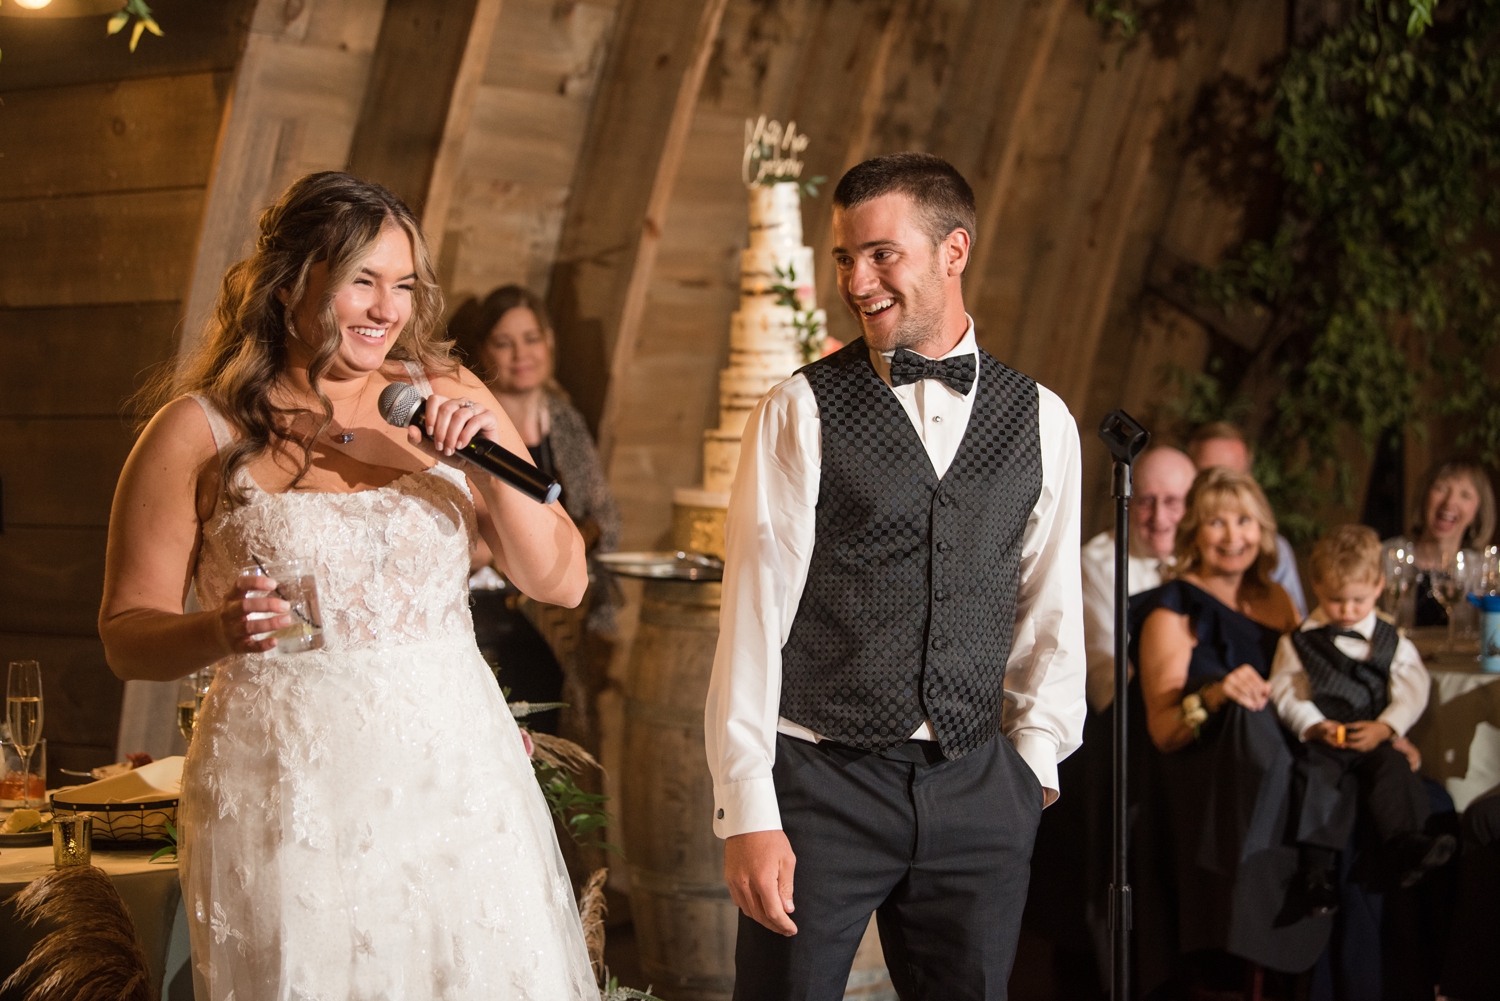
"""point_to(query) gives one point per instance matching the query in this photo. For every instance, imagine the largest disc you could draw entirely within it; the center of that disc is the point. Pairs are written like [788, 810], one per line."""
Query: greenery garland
[1383, 298]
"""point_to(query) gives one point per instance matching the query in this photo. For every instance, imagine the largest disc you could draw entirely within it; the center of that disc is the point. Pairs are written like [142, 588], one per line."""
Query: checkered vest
[1345, 689]
[910, 601]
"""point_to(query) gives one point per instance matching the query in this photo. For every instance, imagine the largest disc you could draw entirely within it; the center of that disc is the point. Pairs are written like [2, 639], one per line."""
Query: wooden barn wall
[522, 145]
[1075, 144]
[104, 162]
[598, 162]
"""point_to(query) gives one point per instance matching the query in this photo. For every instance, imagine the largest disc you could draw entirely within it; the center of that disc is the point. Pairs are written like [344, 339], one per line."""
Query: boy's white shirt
[1291, 690]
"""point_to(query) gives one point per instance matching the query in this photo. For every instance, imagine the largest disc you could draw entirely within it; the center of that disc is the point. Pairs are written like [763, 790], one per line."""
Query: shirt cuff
[1040, 754]
[1397, 719]
[743, 807]
[1300, 717]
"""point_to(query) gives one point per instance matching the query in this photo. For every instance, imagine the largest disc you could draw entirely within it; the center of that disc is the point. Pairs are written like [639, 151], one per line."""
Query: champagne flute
[190, 694]
[187, 707]
[23, 710]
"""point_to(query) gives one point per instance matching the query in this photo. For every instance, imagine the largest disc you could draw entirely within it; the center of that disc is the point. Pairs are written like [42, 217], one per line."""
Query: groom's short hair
[934, 185]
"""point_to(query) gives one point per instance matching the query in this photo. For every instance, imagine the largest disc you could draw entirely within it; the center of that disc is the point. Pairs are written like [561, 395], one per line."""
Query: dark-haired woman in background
[507, 341]
[1212, 876]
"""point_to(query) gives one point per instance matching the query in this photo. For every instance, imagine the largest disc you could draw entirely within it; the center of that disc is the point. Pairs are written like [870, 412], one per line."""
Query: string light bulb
[32, 4]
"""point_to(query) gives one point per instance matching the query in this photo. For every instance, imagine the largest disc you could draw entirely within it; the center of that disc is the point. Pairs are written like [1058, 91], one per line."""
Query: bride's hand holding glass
[246, 624]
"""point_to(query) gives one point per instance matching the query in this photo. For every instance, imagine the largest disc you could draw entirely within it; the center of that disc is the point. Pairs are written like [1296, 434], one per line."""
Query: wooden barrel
[684, 920]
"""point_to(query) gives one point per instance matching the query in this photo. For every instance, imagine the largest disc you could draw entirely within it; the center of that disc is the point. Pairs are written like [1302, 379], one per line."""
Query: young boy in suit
[1348, 685]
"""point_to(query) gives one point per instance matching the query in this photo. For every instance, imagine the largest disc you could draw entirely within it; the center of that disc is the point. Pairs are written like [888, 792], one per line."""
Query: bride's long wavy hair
[327, 217]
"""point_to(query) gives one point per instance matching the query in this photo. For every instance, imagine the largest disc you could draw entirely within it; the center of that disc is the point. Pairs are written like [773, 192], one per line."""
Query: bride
[358, 821]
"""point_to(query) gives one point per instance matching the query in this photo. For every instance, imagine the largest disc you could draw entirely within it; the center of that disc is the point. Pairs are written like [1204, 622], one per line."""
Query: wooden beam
[412, 125]
[295, 100]
[993, 200]
[873, 95]
[655, 47]
[634, 306]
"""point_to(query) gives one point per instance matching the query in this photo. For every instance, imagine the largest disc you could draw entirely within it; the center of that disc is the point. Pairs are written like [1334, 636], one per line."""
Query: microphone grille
[398, 402]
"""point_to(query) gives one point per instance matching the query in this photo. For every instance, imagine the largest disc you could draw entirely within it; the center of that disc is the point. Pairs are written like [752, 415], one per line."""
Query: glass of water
[297, 585]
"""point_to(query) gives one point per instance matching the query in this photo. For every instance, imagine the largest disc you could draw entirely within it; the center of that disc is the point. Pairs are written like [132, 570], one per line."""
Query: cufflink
[720, 814]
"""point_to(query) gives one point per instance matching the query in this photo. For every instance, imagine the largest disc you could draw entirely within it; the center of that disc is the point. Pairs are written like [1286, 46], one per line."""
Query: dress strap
[418, 378]
[217, 423]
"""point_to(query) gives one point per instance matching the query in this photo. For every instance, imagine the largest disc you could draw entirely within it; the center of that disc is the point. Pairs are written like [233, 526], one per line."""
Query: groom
[900, 663]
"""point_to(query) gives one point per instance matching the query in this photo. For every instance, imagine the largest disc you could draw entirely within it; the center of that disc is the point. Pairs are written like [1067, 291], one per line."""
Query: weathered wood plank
[51, 580]
[544, 47]
[155, 132]
[82, 694]
[92, 249]
[654, 48]
[296, 98]
[63, 51]
[411, 125]
[59, 472]
[633, 304]
[82, 360]
[996, 179]
[522, 146]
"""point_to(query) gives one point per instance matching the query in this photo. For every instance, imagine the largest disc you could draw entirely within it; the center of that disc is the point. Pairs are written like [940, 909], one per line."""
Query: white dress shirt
[1291, 689]
[769, 538]
[1099, 610]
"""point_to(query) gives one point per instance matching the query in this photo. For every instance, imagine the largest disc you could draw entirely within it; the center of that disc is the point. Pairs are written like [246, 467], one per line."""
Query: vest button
[944, 498]
[939, 595]
[939, 643]
[943, 547]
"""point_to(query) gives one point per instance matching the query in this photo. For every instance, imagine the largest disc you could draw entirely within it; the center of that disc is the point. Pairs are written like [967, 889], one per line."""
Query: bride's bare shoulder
[180, 429]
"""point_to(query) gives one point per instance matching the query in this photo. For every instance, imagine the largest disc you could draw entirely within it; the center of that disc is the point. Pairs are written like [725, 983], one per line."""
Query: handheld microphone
[402, 406]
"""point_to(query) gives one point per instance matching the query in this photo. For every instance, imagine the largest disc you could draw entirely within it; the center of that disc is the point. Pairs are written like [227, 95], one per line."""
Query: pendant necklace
[345, 437]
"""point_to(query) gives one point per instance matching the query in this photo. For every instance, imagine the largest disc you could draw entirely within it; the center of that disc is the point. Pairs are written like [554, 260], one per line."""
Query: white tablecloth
[1459, 734]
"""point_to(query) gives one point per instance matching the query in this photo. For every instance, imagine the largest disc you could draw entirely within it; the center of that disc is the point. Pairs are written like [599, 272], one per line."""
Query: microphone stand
[1125, 439]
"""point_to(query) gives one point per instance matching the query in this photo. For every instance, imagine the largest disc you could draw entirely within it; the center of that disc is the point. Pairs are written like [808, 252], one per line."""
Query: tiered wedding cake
[777, 329]
[767, 337]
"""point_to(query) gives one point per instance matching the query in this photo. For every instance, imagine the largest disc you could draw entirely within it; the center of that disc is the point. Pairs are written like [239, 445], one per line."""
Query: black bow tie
[957, 373]
[1353, 634]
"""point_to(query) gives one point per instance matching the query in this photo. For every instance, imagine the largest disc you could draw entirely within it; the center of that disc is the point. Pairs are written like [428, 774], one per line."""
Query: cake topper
[771, 152]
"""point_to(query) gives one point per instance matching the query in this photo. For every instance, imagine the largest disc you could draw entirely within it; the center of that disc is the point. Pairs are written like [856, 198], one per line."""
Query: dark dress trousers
[907, 615]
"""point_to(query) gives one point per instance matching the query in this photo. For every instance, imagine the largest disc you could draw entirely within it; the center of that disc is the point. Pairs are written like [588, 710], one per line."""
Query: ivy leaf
[117, 22]
[1421, 17]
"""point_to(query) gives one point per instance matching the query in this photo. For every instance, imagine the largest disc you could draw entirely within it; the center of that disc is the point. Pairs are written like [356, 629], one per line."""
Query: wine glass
[23, 710]
[1450, 584]
[1400, 574]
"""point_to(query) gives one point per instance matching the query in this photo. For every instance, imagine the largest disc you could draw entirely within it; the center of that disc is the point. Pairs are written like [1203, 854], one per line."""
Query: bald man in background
[1161, 480]
[1223, 444]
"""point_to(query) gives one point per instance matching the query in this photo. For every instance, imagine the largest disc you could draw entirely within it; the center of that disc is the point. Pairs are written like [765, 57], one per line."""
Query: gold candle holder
[72, 840]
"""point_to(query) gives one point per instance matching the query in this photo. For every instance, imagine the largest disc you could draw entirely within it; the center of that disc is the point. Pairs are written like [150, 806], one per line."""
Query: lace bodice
[361, 821]
[392, 563]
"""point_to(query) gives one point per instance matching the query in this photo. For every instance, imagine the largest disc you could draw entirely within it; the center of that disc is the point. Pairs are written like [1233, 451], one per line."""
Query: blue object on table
[1489, 639]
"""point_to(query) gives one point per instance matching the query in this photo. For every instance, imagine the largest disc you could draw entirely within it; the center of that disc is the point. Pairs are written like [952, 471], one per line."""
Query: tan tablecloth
[1459, 734]
[151, 894]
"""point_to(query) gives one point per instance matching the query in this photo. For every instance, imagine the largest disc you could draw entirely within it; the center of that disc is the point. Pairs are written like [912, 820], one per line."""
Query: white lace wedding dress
[361, 821]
